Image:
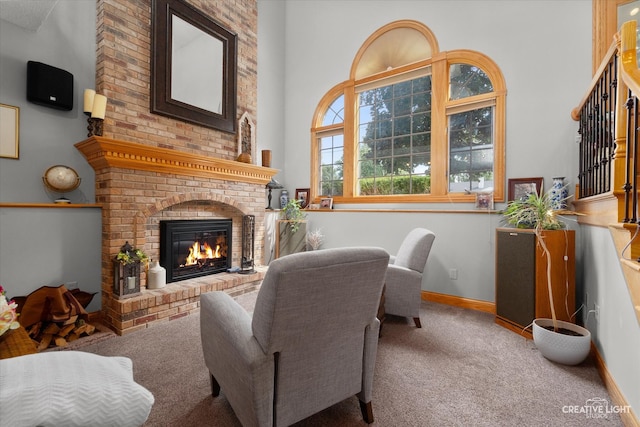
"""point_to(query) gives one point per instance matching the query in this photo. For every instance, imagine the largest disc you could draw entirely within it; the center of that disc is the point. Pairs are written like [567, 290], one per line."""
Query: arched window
[411, 124]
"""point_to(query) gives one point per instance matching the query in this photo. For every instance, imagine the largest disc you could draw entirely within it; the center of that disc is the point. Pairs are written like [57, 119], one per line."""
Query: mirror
[193, 66]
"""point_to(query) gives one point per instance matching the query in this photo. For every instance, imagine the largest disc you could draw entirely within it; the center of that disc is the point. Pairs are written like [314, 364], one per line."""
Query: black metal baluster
[629, 105]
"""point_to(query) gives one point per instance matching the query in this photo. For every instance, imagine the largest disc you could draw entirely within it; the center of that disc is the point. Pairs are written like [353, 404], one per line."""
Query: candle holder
[94, 126]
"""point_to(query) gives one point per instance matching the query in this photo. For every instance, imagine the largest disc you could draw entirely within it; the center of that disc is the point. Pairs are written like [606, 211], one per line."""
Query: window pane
[421, 123]
[401, 145]
[402, 126]
[471, 150]
[421, 143]
[468, 80]
[331, 162]
[398, 165]
[335, 113]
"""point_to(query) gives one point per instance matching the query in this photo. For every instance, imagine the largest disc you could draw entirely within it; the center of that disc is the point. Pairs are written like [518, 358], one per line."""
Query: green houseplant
[293, 213]
[557, 340]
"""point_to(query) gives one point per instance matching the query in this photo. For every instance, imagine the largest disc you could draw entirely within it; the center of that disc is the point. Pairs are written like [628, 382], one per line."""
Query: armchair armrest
[234, 357]
[402, 292]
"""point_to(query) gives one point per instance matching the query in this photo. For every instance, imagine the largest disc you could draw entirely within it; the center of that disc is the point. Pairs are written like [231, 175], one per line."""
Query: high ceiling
[29, 14]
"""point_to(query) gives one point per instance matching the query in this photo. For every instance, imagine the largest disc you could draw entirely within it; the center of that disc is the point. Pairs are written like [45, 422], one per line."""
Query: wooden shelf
[51, 205]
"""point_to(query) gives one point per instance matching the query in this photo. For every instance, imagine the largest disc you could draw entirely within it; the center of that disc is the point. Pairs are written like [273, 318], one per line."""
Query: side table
[16, 342]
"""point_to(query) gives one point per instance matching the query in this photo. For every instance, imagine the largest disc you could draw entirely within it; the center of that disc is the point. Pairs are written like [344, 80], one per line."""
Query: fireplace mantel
[105, 152]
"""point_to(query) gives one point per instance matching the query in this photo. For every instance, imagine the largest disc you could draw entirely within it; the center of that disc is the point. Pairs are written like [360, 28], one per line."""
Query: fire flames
[202, 252]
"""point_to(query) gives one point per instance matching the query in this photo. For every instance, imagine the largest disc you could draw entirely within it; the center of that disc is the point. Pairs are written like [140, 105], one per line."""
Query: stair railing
[608, 123]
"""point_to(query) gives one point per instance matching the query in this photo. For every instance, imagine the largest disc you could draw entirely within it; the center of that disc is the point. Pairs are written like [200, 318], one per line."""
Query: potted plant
[292, 212]
[557, 340]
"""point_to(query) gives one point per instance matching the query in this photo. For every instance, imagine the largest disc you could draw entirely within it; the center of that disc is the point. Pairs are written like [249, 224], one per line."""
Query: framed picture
[484, 201]
[302, 196]
[520, 188]
[326, 203]
[9, 131]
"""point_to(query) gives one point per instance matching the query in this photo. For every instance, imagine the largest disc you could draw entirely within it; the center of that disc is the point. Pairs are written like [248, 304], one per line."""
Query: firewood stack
[59, 334]
[55, 316]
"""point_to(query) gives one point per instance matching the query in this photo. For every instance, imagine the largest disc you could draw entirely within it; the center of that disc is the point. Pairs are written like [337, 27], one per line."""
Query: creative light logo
[596, 407]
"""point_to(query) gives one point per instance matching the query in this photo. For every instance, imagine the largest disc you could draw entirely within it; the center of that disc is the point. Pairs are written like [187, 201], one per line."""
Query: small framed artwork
[302, 196]
[484, 201]
[326, 203]
[9, 131]
[520, 188]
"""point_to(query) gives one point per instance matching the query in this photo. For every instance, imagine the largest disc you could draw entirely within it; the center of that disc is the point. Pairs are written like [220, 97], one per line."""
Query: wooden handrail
[575, 113]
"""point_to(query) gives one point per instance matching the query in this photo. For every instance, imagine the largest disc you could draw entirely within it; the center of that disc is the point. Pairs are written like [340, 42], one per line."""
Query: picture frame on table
[326, 203]
[484, 201]
[520, 188]
[302, 196]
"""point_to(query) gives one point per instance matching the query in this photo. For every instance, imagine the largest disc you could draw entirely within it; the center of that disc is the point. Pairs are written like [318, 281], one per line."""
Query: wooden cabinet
[521, 276]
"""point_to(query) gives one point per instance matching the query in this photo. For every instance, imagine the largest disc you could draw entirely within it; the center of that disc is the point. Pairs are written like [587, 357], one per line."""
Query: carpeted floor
[460, 369]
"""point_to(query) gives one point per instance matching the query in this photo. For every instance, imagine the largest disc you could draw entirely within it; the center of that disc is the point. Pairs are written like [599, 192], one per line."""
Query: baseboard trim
[629, 419]
[473, 304]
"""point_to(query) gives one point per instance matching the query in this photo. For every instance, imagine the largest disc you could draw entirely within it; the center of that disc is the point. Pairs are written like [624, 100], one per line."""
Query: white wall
[616, 334]
[46, 246]
[66, 40]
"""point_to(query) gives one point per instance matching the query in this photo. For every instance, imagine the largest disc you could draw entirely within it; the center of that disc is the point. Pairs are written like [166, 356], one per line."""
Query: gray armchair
[311, 342]
[404, 276]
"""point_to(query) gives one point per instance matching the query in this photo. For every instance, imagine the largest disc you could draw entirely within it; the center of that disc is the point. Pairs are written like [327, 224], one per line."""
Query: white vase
[561, 348]
[157, 276]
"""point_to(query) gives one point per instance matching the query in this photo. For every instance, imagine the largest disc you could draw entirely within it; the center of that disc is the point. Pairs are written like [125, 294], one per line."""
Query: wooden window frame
[441, 108]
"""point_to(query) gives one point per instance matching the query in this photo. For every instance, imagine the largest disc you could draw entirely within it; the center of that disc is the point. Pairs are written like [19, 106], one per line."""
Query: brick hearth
[178, 299]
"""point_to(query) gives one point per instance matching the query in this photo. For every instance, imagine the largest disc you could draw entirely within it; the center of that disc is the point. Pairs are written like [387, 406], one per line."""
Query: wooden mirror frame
[161, 35]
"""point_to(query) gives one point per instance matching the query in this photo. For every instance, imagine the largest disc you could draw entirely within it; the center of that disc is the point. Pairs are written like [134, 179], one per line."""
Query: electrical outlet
[71, 285]
[453, 274]
[597, 312]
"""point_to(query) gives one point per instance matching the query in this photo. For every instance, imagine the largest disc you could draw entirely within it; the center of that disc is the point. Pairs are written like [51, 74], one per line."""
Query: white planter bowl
[561, 348]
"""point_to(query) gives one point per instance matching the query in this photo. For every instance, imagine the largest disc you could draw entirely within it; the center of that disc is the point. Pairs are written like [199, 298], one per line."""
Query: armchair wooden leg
[367, 411]
[417, 320]
[215, 387]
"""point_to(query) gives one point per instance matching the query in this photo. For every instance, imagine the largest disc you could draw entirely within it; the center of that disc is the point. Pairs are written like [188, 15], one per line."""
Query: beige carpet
[460, 369]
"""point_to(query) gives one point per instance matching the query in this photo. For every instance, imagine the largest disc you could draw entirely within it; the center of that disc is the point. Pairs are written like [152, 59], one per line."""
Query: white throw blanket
[71, 388]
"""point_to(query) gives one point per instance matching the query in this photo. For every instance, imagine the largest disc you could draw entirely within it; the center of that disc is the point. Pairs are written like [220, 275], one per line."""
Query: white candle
[99, 106]
[88, 100]
[131, 283]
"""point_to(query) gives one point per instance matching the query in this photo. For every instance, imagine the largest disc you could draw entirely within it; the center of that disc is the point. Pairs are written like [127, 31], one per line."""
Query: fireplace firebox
[194, 248]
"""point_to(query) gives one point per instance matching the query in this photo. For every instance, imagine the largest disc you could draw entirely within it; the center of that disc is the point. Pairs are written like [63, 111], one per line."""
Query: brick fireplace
[151, 168]
[138, 186]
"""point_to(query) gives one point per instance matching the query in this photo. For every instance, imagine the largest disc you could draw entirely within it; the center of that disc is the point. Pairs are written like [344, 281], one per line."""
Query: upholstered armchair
[404, 276]
[311, 342]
